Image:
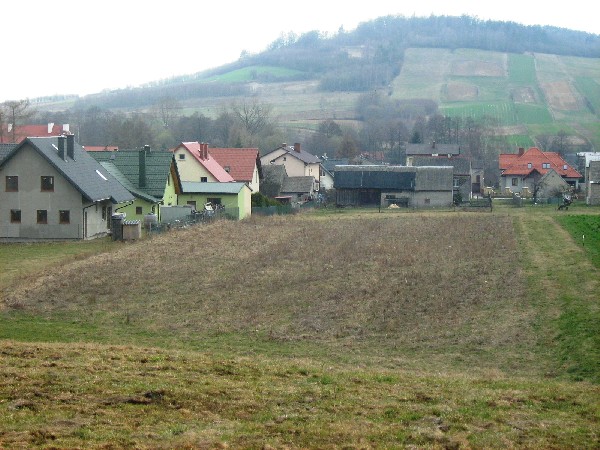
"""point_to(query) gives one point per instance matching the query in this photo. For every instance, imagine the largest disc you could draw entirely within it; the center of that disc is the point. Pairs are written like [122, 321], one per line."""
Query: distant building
[415, 187]
[297, 162]
[522, 171]
[14, 135]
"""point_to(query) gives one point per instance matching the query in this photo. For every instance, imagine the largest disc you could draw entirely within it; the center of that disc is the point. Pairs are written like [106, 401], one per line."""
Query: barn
[414, 187]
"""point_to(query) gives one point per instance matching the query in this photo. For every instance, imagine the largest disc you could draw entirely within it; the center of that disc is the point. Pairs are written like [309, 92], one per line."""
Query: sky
[84, 47]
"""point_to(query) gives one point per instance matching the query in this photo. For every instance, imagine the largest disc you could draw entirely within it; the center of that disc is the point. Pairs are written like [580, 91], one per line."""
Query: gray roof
[84, 173]
[302, 155]
[432, 149]
[197, 187]
[330, 163]
[5, 149]
[429, 178]
[462, 166]
[298, 185]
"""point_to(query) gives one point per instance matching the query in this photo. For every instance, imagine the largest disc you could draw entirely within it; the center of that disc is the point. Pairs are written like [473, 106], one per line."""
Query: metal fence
[199, 217]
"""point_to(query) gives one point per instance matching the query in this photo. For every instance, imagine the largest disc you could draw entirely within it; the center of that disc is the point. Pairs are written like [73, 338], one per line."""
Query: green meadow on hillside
[330, 328]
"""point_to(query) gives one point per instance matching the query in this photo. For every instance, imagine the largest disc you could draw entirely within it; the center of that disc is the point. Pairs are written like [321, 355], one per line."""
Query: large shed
[416, 187]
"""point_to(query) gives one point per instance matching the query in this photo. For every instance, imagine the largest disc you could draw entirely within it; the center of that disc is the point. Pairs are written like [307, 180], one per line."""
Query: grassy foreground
[431, 330]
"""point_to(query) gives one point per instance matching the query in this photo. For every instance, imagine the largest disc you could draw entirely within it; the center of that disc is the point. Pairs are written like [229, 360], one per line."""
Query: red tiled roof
[24, 131]
[196, 149]
[241, 161]
[535, 159]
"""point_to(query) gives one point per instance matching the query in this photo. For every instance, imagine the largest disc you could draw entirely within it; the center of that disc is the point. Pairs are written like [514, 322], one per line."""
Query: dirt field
[560, 96]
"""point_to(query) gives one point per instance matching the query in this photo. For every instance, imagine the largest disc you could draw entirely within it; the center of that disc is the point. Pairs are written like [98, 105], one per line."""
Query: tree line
[387, 126]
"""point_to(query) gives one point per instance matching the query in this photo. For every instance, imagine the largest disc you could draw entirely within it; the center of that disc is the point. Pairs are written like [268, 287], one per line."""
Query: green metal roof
[128, 162]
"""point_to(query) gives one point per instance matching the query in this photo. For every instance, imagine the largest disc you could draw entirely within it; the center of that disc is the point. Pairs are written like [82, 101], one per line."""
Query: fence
[199, 217]
[278, 210]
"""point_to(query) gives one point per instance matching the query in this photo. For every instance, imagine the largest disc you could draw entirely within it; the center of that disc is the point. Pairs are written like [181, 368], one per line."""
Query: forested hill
[383, 42]
[362, 59]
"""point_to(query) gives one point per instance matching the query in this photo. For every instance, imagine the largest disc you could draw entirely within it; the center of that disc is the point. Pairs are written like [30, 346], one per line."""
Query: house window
[42, 216]
[47, 184]
[12, 184]
[203, 179]
[529, 165]
[515, 181]
[214, 200]
[15, 216]
[64, 216]
[192, 203]
[455, 183]
[181, 156]
[104, 213]
[427, 201]
[138, 210]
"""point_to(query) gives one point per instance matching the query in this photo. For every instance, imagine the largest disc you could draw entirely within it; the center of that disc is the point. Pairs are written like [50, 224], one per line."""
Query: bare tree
[253, 115]
[16, 112]
[167, 110]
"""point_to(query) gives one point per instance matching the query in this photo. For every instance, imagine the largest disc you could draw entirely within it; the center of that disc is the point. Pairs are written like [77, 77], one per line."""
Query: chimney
[142, 166]
[521, 151]
[61, 147]
[206, 150]
[71, 146]
[50, 126]
[297, 147]
[66, 127]
[284, 145]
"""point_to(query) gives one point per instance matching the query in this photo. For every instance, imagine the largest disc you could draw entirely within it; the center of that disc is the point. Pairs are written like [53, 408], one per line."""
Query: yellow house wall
[189, 168]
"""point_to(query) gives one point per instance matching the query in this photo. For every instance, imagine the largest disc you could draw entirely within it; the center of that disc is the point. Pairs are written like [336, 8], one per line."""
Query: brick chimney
[521, 151]
[71, 146]
[297, 147]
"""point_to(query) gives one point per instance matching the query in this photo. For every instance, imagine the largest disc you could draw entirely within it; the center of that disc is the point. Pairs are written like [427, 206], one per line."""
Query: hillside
[528, 83]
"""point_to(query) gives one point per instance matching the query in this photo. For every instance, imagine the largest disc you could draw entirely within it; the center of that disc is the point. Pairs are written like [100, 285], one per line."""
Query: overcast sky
[82, 47]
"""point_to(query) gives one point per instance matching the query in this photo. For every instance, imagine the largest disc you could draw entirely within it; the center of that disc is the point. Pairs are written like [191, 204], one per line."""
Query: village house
[243, 164]
[461, 174]
[10, 134]
[151, 176]
[529, 173]
[234, 198]
[433, 150]
[592, 182]
[53, 189]
[297, 162]
[195, 163]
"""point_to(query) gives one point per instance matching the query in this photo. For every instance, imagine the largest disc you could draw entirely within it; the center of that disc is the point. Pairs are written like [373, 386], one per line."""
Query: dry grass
[90, 396]
[358, 330]
[441, 287]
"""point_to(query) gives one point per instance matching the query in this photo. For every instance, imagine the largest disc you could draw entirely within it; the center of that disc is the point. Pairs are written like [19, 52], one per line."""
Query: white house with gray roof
[52, 189]
[297, 162]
